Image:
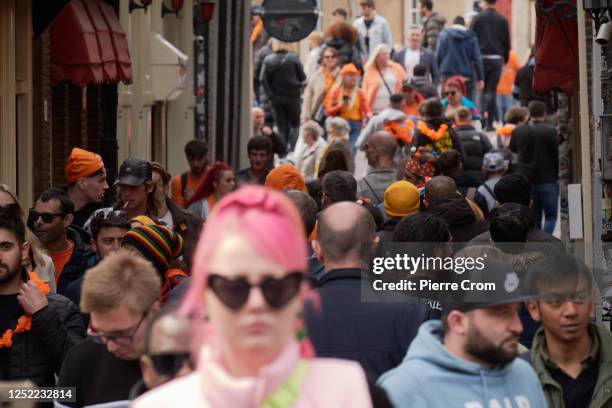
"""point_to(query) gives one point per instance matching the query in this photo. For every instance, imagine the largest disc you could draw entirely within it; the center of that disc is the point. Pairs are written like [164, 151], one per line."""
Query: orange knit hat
[80, 164]
[285, 177]
[349, 69]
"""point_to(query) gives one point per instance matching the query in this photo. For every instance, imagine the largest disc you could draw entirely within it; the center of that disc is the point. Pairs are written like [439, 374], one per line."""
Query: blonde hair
[372, 60]
[316, 36]
[278, 45]
[121, 279]
[37, 250]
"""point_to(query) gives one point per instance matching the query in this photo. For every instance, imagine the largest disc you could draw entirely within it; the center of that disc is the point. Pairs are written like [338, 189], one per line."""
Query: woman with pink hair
[248, 290]
[218, 182]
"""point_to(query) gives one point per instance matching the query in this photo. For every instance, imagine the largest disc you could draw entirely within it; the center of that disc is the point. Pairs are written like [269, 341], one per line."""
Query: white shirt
[411, 60]
[167, 219]
[383, 95]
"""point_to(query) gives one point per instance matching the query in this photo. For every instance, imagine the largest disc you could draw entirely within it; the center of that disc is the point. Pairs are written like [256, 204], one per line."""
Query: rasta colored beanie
[158, 244]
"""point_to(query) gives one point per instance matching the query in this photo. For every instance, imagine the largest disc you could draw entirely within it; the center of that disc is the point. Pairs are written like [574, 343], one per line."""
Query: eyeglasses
[120, 339]
[450, 93]
[34, 215]
[170, 363]
[234, 293]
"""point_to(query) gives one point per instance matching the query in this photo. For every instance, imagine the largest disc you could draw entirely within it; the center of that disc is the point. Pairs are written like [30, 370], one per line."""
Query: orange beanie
[80, 164]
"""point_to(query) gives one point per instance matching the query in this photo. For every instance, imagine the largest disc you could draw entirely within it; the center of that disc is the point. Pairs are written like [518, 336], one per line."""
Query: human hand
[266, 131]
[31, 299]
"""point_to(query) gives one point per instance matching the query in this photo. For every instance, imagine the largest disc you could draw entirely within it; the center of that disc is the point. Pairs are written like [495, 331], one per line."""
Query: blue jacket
[430, 376]
[374, 333]
[458, 53]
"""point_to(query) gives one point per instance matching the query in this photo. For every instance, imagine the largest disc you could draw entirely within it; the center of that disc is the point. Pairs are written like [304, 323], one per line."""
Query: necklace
[24, 323]
[434, 135]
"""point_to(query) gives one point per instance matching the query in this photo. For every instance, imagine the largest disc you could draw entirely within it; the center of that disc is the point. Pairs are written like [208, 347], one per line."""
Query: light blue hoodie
[431, 377]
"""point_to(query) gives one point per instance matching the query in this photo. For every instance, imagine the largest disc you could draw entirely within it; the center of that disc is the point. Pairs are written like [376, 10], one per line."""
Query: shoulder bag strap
[288, 393]
[372, 190]
[384, 82]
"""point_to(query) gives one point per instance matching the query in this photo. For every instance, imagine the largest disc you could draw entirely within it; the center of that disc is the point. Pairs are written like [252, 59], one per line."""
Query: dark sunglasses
[170, 363]
[34, 215]
[234, 293]
[450, 93]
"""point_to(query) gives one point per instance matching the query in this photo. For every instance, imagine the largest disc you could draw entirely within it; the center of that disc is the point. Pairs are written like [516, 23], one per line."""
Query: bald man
[374, 333]
[260, 128]
[380, 150]
[168, 340]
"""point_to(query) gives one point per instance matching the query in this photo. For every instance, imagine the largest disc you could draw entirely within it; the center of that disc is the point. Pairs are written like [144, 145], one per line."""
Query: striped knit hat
[158, 244]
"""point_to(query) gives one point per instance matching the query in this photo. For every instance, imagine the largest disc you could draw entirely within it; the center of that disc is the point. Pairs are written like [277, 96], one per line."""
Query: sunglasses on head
[277, 292]
[47, 218]
[170, 363]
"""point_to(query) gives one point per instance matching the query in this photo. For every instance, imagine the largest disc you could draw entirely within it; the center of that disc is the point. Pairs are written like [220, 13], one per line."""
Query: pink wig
[266, 219]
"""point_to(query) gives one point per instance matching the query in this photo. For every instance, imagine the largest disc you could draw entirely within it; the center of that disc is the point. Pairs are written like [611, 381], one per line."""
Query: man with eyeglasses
[36, 329]
[121, 293]
[167, 351]
[571, 355]
[51, 220]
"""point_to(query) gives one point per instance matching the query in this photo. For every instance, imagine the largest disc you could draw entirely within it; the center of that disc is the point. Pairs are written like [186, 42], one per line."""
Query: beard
[479, 346]
[6, 274]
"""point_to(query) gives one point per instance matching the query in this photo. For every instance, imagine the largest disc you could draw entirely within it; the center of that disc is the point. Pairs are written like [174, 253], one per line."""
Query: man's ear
[154, 308]
[68, 220]
[534, 310]
[93, 244]
[457, 322]
[316, 247]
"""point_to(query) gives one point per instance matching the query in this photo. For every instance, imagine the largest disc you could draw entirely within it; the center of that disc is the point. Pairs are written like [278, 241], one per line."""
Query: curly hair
[342, 30]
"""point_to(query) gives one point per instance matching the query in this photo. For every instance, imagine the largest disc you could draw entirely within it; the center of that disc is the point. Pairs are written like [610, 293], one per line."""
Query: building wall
[397, 12]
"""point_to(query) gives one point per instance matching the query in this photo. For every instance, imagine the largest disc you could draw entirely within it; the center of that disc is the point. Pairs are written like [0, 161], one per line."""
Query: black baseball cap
[134, 172]
[509, 287]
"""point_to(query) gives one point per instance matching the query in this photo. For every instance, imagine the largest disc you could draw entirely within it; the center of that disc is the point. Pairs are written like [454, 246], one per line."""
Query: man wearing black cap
[468, 358]
[135, 190]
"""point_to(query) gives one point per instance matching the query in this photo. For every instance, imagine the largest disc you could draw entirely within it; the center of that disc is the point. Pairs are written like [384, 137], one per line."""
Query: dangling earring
[301, 335]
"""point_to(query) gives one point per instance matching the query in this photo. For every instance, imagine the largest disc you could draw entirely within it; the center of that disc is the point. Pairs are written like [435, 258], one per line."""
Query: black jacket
[83, 258]
[187, 225]
[475, 145]
[443, 145]
[376, 334]
[37, 355]
[458, 214]
[493, 34]
[537, 146]
[282, 75]
[98, 375]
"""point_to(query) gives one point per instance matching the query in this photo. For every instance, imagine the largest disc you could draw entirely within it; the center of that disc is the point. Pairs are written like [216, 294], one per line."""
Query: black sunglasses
[234, 293]
[170, 363]
[451, 93]
[34, 215]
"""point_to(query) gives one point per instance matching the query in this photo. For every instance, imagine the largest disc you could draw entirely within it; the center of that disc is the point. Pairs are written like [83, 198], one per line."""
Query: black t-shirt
[98, 375]
[10, 311]
[577, 392]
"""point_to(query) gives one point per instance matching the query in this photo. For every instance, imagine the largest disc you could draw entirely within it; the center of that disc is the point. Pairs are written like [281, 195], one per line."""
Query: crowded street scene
[306, 203]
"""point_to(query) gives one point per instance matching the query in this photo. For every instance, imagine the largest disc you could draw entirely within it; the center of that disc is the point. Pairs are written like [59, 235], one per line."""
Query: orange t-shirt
[191, 187]
[506, 81]
[356, 110]
[60, 259]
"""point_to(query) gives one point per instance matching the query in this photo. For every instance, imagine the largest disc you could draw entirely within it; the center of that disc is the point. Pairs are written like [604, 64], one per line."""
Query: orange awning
[84, 44]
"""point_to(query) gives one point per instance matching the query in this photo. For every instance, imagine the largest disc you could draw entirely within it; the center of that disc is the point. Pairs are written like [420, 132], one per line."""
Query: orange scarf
[506, 130]
[24, 323]
[434, 135]
[402, 130]
[256, 31]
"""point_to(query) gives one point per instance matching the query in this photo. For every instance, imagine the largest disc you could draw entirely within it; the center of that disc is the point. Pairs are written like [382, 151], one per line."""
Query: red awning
[120, 43]
[83, 45]
[556, 52]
